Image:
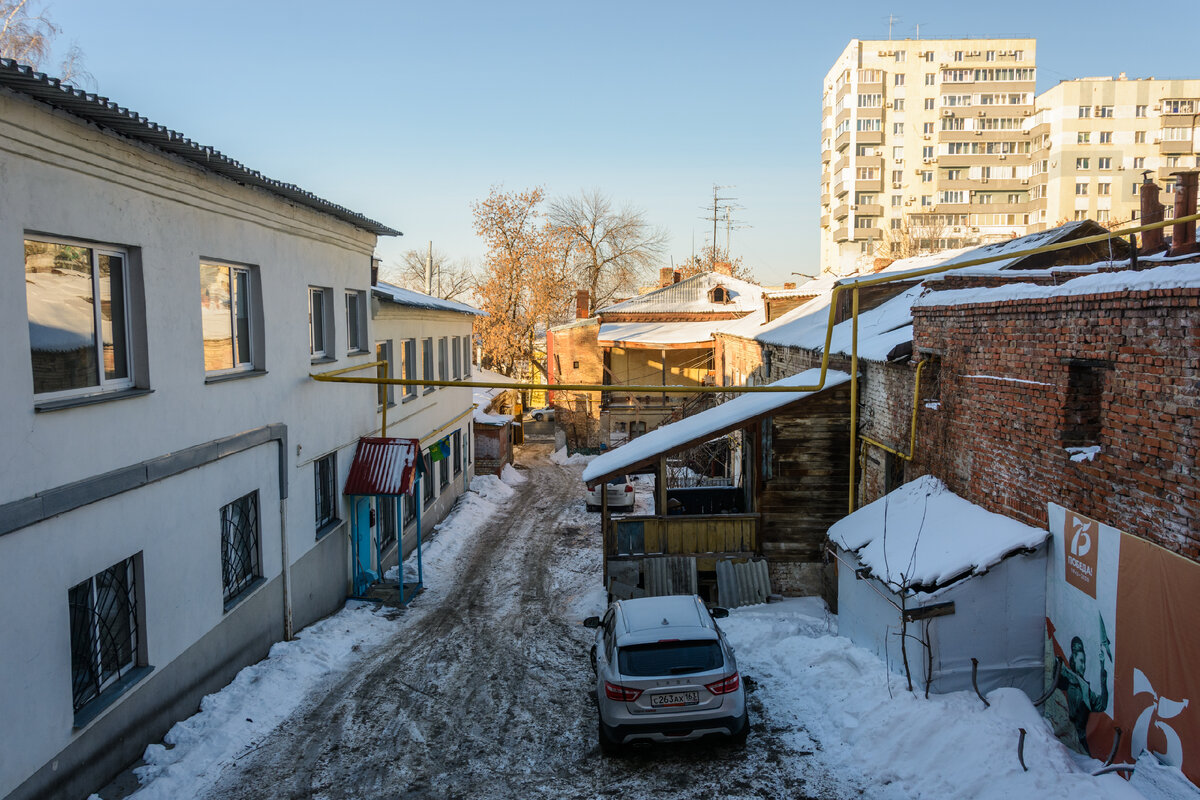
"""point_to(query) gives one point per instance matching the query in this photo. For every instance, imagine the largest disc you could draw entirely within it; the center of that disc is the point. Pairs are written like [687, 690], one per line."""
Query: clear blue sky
[407, 112]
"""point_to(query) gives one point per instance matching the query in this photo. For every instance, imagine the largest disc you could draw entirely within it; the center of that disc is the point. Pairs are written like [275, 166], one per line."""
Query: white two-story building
[170, 477]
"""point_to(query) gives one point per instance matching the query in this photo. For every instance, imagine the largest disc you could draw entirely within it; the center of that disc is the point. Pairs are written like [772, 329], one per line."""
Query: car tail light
[628, 487]
[615, 692]
[725, 686]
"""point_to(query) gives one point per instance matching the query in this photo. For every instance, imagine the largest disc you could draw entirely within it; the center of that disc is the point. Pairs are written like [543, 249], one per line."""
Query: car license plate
[669, 699]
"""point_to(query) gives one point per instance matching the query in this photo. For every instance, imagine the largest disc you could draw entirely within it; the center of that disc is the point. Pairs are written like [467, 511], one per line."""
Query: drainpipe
[288, 626]
[853, 388]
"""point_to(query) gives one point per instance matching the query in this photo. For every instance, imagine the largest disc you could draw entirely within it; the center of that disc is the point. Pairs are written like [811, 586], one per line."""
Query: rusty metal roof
[383, 466]
[106, 114]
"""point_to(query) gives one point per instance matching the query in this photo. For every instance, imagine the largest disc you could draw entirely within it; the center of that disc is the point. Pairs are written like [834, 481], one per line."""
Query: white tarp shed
[960, 581]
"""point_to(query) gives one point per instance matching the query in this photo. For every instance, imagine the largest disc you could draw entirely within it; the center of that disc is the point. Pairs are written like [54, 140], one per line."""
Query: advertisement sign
[1118, 619]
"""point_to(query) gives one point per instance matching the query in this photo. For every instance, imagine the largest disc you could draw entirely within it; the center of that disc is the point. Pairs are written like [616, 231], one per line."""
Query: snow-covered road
[480, 689]
[483, 689]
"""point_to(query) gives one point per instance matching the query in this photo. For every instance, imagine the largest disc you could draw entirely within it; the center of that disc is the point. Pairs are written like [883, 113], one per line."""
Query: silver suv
[664, 673]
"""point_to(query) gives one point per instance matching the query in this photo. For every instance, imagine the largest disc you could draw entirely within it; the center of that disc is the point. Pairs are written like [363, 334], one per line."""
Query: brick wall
[1018, 381]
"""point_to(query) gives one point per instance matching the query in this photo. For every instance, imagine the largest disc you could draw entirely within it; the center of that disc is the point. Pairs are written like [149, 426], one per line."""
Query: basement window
[1082, 411]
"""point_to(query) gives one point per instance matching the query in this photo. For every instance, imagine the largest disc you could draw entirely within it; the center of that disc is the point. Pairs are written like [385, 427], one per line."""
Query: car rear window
[669, 658]
[617, 482]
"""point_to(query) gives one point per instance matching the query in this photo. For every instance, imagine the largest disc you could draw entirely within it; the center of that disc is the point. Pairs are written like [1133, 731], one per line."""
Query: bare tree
[917, 234]
[453, 279]
[608, 250]
[715, 259]
[27, 37]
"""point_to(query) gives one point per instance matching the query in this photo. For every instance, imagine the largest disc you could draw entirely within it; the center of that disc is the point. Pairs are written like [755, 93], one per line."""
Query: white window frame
[324, 524]
[466, 345]
[323, 349]
[356, 322]
[427, 363]
[103, 385]
[443, 359]
[408, 366]
[235, 297]
[385, 351]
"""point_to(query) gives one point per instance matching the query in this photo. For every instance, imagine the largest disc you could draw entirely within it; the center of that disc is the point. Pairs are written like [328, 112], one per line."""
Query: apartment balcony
[824, 221]
[987, 184]
[868, 185]
[874, 234]
[868, 210]
[842, 116]
[841, 234]
[869, 137]
[840, 212]
[826, 155]
[1175, 146]
[871, 87]
[982, 160]
[1003, 87]
[1002, 208]
[842, 141]
[824, 199]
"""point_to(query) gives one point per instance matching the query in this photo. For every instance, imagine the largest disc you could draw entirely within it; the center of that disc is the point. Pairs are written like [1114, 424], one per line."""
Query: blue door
[364, 575]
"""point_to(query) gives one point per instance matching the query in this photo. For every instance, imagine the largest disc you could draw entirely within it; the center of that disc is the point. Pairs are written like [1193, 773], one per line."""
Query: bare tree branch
[453, 279]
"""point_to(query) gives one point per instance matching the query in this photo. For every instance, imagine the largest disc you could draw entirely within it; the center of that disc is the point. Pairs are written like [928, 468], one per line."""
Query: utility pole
[429, 270]
[722, 208]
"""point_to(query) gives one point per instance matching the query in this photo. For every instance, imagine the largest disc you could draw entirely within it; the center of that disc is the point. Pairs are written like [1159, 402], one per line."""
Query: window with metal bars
[427, 482]
[104, 631]
[456, 441]
[410, 509]
[325, 476]
[240, 564]
[387, 521]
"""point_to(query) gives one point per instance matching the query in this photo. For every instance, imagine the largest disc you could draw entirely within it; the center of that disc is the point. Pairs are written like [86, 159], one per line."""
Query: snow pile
[922, 535]
[487, 487]
[1084, 453]
[560, 457]
[231, 721]
[511, 476]
[646, 333]
[839, 702]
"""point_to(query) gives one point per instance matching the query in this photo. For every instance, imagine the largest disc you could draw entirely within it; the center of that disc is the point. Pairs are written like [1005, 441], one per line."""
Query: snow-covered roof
[690, 296]
[1027, 242]
[61, 311]
[705, 425]
[483, 397]
[657, 333]
[922, 536]
[1173, 276]
[415, 299]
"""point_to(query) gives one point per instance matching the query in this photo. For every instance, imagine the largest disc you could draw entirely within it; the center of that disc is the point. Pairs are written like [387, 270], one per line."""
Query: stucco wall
[65, 179]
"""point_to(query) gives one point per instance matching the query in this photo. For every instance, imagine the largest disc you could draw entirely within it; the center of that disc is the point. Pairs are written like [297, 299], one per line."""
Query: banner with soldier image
[1118, 624]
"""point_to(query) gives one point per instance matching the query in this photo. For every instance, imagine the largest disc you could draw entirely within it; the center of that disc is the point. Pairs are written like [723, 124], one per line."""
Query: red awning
[383, 466]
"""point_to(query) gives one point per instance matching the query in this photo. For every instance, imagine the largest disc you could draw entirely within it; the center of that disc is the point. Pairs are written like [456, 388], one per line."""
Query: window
[898, 78]
[864, 222]
[897, 176]
[1081, 163]
[410, 509]
[456, 450]
[1081, 187]
[870, 100]
[929, 104]
[898, 104]
[105, 640]
[1139, 162]
[954, 174]
[1085, 112]
[1176, 134]
[897, 128]
[927, 128]
[896, 224]
[1139, 111]
[443, 473]
[320, 332]
[1105, 137]
[897, 200]
[926, 176]
[929, 55]
[991, 55]
[427, 483]
[868, 125]
[78, 299]
[1083, 137]
[408, 366]
[325, 475]
[1014, 198]
[1178, 106]
[1104, 163]
[901, 57]
[958, 55]
[927, 151]
[1018, 55]
[1102, 214]
[356, 322]
[930, 78]
[1105, 112]
[388, 525]
[1082, 411]
[443, 364]
[1103, 188]
[926, 200]
[466, 346]
[1172, 161]
[1080, 214]
[1139, 137]
[456, 354]
[240, 565]
[387, 392]
[427, 362]
[864, 174]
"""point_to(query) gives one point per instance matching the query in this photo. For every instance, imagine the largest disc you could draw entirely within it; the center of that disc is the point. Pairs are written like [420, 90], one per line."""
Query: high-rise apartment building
[1094, 138]
[924, 146]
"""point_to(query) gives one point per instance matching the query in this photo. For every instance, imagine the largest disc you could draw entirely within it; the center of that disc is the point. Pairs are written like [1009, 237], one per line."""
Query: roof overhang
[691, 431]
[383, 466]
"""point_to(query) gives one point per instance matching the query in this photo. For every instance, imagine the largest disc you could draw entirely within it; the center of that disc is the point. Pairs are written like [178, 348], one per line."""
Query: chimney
[1152, 211]
[375, 262]
[1183, 234]
[666, 277]
[676, 276]
[581, 304]
[789, 285]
